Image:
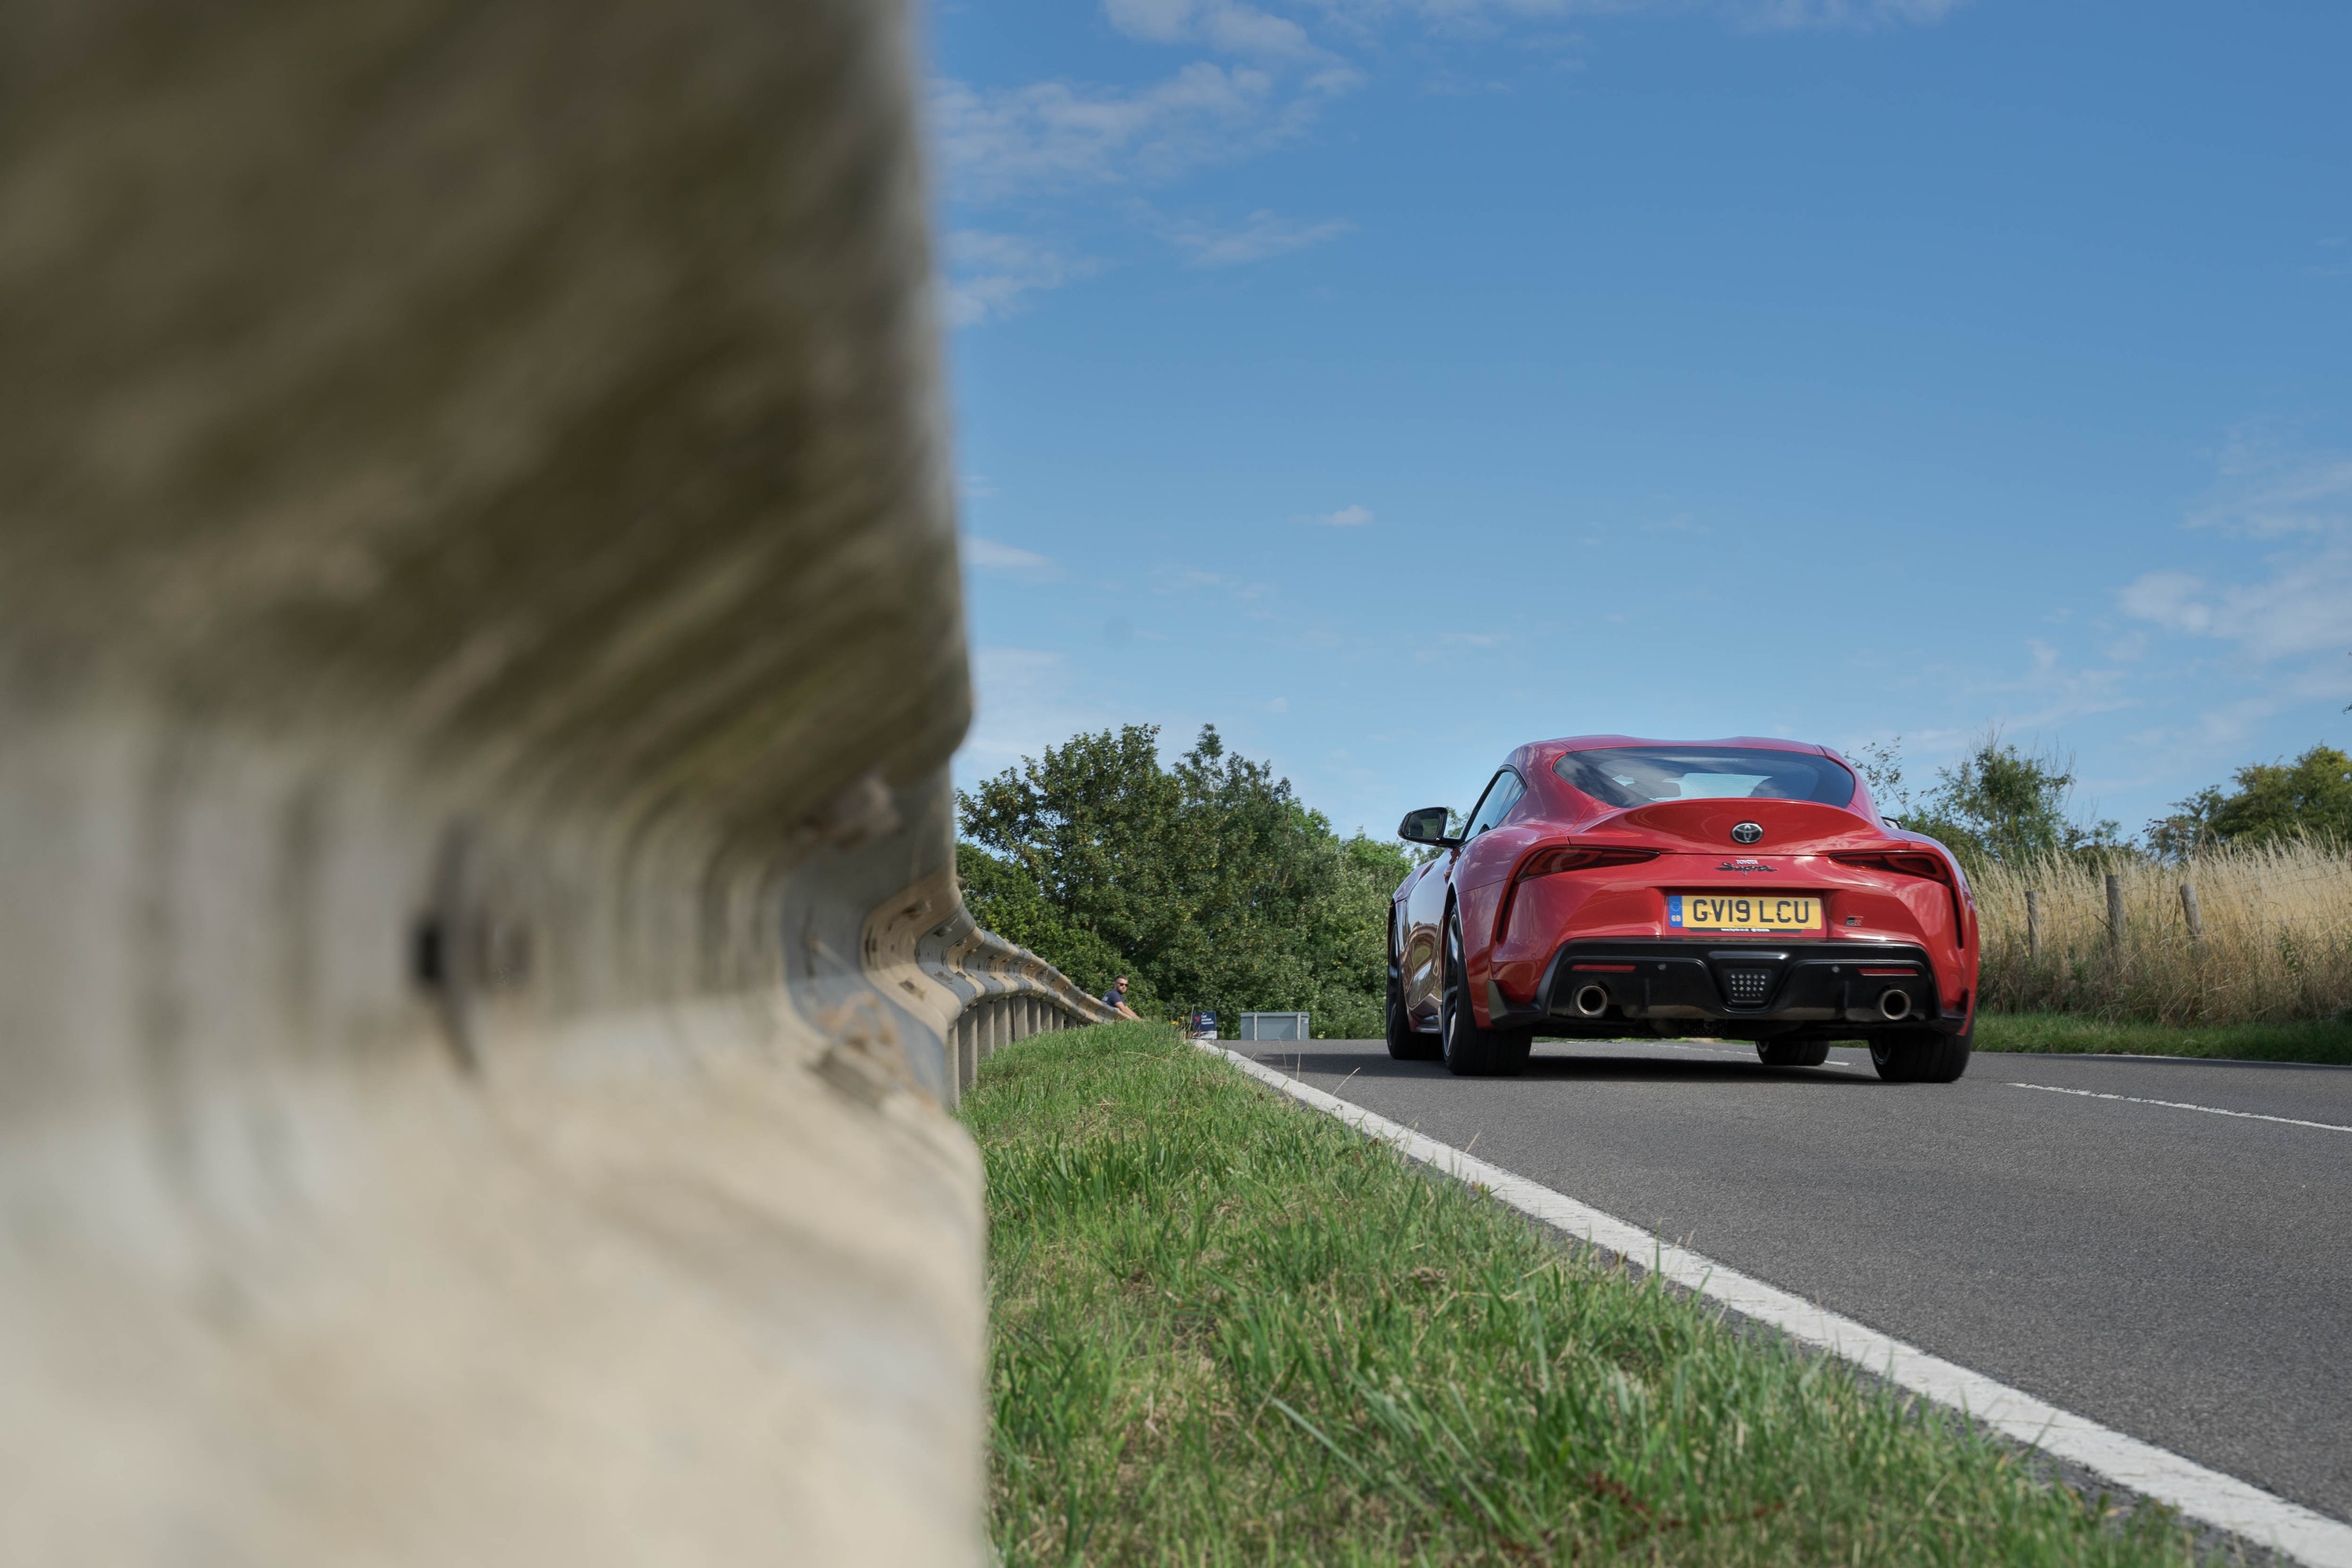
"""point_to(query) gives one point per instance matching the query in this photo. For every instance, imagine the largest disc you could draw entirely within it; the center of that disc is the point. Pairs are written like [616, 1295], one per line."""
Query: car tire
[1792, 1053]
[1407, 1044]
[1922, 1055]
[1468, 1050]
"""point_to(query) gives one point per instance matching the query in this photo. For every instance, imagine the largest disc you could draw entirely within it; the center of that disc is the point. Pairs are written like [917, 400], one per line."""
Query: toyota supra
[1608, 888]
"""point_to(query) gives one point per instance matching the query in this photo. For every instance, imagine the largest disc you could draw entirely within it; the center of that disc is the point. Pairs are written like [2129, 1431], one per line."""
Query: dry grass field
[2276, 942]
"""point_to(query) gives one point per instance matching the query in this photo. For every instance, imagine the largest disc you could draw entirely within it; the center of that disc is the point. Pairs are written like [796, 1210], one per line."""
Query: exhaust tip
[1894, 1003]
[1592, 1001]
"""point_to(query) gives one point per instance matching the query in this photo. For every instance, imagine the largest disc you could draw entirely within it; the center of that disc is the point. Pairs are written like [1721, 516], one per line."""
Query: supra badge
[1746, 833]
[1745, 866]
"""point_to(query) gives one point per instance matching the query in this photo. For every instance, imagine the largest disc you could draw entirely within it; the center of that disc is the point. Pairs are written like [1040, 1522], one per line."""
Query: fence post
[2189, 912]
[2032, 923]
[2114, 914]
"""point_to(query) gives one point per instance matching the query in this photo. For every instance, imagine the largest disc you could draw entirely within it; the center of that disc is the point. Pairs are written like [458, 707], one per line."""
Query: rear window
[1636, 775]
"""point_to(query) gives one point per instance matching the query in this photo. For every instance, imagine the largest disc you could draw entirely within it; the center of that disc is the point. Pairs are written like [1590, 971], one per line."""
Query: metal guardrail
[1014, 994]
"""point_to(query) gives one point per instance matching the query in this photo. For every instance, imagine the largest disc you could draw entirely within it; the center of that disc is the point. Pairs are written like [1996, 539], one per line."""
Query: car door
[1422, 959]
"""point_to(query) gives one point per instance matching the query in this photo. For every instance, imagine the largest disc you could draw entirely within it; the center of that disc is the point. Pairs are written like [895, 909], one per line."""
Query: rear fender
[1476, 908]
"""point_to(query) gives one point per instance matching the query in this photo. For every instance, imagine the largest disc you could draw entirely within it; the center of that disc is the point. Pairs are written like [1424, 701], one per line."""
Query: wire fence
[2237, 935]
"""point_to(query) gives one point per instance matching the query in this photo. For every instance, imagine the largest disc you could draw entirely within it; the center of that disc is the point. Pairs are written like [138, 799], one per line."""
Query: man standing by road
[1116, 1000]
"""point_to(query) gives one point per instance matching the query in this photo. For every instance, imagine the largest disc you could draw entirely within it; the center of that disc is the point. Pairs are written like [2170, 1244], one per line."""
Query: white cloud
[1278, 705]
[2304, 606]
[1345, 516]
[989, 274]
[2267, 489]
[1024, 705]
[1680, 523]
[990, 556]
[1233, 28]
[1263, 234]
[1050, 135]
[1193, 580]
[997, 143]
[1843, 12]
[1486, 16]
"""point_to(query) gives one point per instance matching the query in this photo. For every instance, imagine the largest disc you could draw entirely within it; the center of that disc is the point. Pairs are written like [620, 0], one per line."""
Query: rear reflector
[1890, 972]
[1619, 969]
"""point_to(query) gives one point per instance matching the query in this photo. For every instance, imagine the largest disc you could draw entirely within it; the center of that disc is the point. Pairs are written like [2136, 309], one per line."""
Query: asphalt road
[2182, 1277]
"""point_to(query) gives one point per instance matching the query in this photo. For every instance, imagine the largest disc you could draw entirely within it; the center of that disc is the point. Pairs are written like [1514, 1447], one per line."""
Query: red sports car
[1605, 887]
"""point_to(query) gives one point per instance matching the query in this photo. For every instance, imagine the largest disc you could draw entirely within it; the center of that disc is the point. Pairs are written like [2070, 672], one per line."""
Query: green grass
[2325, 1041]
[1228, 1329]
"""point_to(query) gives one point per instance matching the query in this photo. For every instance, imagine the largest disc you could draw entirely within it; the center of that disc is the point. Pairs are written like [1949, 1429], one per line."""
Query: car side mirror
[1426, 825]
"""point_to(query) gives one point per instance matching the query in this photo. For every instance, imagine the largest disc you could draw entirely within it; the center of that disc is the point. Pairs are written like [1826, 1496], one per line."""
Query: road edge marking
[2206, 1496]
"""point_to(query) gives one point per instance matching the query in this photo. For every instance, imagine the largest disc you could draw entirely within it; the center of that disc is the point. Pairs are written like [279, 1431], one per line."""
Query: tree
[1209, 883]
[2309, 797]
[1881, 765]
[1998, 804]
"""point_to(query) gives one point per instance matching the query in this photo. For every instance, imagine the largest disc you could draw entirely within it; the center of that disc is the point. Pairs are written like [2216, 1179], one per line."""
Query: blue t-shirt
[1114, 997]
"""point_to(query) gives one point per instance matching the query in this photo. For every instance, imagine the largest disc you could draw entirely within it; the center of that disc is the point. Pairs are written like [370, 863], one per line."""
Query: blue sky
[1389, 381]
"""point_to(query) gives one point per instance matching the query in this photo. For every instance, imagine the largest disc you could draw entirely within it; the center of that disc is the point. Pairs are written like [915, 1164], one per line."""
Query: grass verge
[2328, 1042]
[1227, 1330]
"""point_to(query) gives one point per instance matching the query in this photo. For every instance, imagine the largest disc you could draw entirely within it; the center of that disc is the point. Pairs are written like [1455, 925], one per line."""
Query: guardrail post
[2032, 923]
[2189, 912]
[967, 1049]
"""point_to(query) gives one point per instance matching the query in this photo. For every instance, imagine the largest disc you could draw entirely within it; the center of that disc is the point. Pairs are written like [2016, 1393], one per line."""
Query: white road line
[2184, 1105]
[2207, 1496]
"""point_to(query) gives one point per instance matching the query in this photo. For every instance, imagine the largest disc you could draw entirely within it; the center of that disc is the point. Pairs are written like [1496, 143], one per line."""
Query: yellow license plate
[1776, 914]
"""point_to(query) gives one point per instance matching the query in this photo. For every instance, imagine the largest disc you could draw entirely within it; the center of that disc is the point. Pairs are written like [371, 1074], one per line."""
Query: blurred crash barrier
[481, 978]
[999, 993]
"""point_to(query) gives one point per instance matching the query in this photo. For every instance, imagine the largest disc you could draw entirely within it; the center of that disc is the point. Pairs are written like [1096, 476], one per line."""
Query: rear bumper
[1833, 988]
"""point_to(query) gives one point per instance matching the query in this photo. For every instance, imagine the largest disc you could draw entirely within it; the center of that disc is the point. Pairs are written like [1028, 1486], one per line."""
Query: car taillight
[1571, 857]
[1557, 858]
[1907, 864]
[1912, 863]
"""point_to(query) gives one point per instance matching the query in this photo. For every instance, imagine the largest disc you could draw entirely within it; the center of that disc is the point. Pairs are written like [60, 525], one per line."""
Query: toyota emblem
[1747, 832]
